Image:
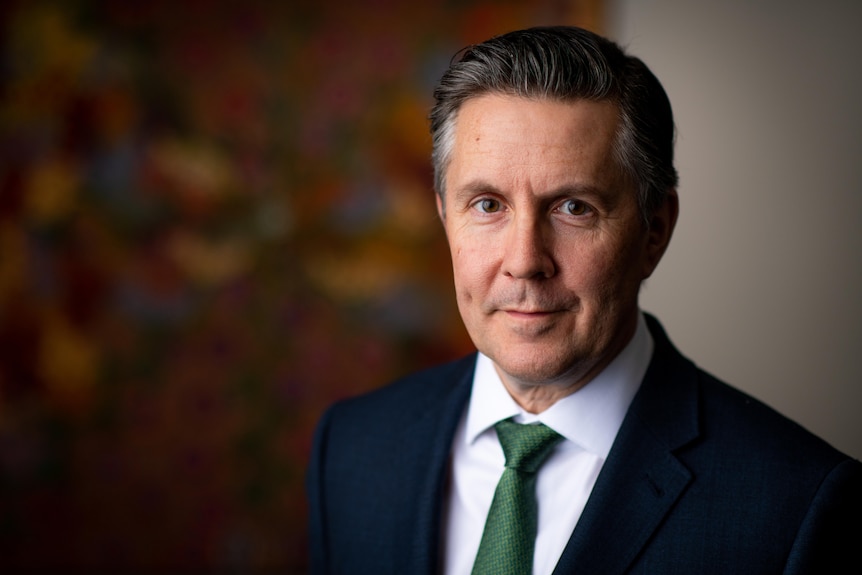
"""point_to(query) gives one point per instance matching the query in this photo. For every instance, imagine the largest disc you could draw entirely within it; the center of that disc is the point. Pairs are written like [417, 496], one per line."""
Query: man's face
[548, 245]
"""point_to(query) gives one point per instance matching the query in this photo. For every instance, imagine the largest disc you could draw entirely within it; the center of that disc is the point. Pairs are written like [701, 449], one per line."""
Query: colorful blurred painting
[216, 218]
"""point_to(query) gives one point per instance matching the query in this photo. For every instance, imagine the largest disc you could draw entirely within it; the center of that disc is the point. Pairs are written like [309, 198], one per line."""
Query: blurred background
[216, 218]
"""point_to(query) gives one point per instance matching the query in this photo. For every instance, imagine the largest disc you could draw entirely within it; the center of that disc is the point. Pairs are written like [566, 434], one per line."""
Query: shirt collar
[590, 417]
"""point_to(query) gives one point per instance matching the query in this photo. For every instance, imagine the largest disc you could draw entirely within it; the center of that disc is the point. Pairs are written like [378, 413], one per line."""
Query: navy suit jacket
[700, 479]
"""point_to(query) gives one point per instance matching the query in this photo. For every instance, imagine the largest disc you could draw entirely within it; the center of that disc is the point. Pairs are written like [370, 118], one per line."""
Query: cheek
[601, 270]
[473, 271]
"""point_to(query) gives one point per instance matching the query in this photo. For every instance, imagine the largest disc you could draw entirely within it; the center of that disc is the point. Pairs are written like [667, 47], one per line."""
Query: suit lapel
[642, 478]
[433, 435]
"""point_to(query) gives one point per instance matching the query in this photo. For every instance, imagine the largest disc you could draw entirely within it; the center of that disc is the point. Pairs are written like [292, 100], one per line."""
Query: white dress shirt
[588, 419]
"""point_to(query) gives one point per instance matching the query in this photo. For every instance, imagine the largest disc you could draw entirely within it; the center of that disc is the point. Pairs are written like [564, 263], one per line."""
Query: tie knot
[526, 446]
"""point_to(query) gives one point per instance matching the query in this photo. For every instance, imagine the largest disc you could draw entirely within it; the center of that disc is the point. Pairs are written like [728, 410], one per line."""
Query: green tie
[510, 530]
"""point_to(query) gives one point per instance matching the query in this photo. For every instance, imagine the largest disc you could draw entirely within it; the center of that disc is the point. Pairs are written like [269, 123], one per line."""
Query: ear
[441, 208]
[660, 230]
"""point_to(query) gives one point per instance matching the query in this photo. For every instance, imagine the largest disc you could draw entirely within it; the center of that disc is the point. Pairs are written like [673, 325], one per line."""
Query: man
[553, 156]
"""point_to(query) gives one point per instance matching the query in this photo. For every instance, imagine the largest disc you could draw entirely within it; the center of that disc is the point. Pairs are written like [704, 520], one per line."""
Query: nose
[528, 251]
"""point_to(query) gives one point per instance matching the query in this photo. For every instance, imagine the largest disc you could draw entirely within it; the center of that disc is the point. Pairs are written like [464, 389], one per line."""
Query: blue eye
[488, 205]
[575, 208]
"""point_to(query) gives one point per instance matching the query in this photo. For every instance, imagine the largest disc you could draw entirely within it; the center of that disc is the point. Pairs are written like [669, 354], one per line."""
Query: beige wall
[762, 284]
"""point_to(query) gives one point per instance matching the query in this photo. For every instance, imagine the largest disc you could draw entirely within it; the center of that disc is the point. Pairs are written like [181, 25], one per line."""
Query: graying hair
[565, 64]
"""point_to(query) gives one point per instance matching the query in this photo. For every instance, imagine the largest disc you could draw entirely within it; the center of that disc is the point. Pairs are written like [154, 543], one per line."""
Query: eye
[575, 208]
[488, 205]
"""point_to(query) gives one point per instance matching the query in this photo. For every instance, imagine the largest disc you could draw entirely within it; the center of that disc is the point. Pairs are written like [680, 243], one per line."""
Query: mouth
[539, 310]
[529, 314]
[529, 324]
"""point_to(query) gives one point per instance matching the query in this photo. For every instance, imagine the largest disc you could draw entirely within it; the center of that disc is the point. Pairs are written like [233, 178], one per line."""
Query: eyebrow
[475, 187]
[478, 187]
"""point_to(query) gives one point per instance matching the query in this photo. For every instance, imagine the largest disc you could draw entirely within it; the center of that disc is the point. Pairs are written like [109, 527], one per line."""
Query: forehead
[509, 136]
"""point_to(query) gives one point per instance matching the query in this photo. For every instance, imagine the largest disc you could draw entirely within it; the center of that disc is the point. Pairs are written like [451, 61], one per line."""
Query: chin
[542, 368]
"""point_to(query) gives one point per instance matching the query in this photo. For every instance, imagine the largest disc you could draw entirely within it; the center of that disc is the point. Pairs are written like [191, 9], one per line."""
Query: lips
[529, 312]
[538, 317]
[532, 305]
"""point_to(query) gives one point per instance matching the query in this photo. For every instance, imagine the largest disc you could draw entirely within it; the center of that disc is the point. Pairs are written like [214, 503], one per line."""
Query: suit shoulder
[729, 424]
[735, 417]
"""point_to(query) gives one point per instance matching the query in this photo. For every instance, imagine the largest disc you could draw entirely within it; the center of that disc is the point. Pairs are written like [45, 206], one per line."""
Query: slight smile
[528, 314]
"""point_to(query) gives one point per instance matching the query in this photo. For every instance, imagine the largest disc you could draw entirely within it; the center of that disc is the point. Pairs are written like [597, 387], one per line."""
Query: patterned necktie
[510, 530]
